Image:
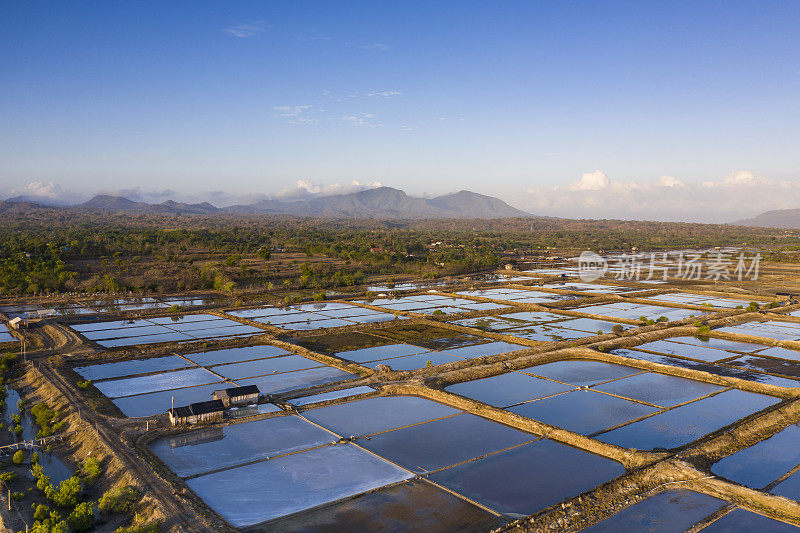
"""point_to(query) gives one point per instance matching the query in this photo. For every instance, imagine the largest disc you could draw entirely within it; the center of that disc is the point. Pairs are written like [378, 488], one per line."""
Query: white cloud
[733, 197]
[590, 181]
[670, 181]
[384, 94]
[246, 30]
[310, 189]
[47, 192]
[361, 119]
[376, 46]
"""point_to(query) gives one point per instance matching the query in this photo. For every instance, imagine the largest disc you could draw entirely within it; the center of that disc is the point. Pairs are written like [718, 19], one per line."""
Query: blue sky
[514, 99]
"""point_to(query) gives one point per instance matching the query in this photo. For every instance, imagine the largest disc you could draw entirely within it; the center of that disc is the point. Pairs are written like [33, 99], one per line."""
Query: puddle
[720, 370]
[238, 444]
[687, 423]
[441, 443]
[414, 505]
[481, 350]
[659, 389]
[581, 373]
[673, 510]
[530, 478]
[507, 389]
[702, 353]
[583, 411]
[764, 462]
[270, 489]
[764, 364]
[365, 417]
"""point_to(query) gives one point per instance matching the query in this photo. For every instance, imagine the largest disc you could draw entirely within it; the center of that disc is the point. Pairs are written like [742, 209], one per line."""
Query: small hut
[237, 395]
[196, 413]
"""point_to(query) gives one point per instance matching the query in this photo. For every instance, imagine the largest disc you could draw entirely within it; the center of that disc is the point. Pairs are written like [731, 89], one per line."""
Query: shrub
[68, 492]
[18, 457]
[8, 477]
[702, 330]
[773, 305]
[428, 364]
[83, 385]
[643, 319]
[753, 306]
[617, 328]
[438, 312]
[650, 321]
[662, 319]
[153, 527]
[82, 517]
[319, 297]
[119, 500]
[91, 469]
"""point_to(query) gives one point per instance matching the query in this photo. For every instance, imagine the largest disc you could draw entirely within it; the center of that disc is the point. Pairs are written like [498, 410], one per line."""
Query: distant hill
[779, 218]
[378, 203]
[119, 204]
[387, 203]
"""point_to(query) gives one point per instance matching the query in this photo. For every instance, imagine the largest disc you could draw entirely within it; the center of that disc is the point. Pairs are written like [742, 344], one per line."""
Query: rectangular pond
[764, 462]
[239, 444]
[374, 415]
[583, 411]
[671, 510]
[527, 479]
[440, 443]
[689, 422]
[156, 382]
[255, 493]
[129, 368]
[508, 389]
[235, 355]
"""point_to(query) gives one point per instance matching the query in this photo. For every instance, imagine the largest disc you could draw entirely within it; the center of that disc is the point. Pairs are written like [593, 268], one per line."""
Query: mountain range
[779, 218]
[379, 203]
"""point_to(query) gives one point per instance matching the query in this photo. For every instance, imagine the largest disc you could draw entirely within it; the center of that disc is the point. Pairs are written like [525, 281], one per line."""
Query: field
[480, 388]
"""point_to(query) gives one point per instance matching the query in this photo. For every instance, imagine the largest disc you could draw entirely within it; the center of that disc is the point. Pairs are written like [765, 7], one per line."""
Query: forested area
[45, 251]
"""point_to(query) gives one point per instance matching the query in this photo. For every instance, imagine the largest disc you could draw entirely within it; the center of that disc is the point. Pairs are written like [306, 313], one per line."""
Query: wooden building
[196, 413]
[237, 395]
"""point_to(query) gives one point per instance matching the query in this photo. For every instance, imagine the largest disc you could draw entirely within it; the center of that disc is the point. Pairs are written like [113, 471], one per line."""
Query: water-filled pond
[672, 510]
[659, 389]
[689, 422]
[583, 411]
[764, 462]
[240, 443]
[508, 389]
[444, 442]
[277, 487]
[373, 415]
[529, 478]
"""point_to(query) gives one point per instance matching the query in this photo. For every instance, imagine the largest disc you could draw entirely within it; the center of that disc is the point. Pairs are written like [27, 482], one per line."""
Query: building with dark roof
[196, 413]
[237, 395]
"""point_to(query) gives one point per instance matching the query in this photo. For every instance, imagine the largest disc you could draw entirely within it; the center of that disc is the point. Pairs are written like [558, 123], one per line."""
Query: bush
[68, 492]
[662, 319]
[8, 477]
[438, 312]
[82, 517]
[702, 330]
[319, 297]
[153, 527]
[83, 385]
[18, 457]
[119, 500]
[753, 306]
[617, 328]
[17, 495]
[91, 469]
